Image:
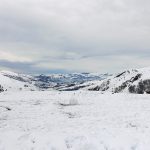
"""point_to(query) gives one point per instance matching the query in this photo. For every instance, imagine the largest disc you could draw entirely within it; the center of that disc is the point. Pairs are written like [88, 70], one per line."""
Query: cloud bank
[74, 35]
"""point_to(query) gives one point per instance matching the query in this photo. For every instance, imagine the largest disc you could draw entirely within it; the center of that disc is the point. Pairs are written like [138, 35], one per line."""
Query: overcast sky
[45, 36]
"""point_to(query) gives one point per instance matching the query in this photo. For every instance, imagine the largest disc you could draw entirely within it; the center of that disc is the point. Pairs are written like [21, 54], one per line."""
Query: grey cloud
[18, 66]
[49, 30]
[29, 68]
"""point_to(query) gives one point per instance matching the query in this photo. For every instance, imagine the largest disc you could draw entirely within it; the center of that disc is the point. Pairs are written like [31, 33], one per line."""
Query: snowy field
[74, 121]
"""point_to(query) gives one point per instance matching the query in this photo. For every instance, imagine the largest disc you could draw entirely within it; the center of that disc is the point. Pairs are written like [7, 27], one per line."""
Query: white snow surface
[82, 120]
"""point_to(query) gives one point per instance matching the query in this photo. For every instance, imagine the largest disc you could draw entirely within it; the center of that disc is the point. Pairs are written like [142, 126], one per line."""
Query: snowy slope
[130, 81]
[46, 121]
[11, 81]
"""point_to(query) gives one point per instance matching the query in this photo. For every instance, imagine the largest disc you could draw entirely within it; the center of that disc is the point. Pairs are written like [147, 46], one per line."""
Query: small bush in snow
[1, 89]
[73, 101]
[69, 102]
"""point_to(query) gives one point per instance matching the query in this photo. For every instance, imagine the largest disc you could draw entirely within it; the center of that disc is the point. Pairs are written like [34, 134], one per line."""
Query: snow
[14, 85]
[8, 72]
[37, 120]
[11, 84]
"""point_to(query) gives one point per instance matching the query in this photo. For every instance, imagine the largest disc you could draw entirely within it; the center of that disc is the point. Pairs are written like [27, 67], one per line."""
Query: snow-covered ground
[81, 120]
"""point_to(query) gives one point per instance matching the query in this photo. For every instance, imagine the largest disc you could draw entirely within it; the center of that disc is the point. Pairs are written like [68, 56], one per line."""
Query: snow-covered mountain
[10, 81]
[130, 81]
[15, 81]
[67, 82]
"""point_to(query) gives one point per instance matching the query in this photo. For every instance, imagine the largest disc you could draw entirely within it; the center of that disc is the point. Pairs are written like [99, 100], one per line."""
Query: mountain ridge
[45, 82]
[129, 81]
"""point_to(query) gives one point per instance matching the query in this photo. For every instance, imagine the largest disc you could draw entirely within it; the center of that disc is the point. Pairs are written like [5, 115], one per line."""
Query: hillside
[129, 81]
[11, 81]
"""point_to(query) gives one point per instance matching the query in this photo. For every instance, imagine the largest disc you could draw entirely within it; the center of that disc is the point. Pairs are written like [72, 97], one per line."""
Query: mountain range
[129, 81]
[10, 81]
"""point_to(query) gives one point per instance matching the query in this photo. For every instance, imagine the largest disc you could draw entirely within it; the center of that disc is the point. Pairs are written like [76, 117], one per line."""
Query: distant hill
[129, 81]
[15, 81]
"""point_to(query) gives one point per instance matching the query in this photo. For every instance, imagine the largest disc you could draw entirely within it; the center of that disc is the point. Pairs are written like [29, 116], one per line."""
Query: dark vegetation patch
[127, 83]
[120, 74]
[103, 87]
[142, 87]
[1, 89]
[7, 108]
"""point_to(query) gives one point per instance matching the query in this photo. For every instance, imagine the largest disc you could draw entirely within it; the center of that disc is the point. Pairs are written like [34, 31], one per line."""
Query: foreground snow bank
[37, 121]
